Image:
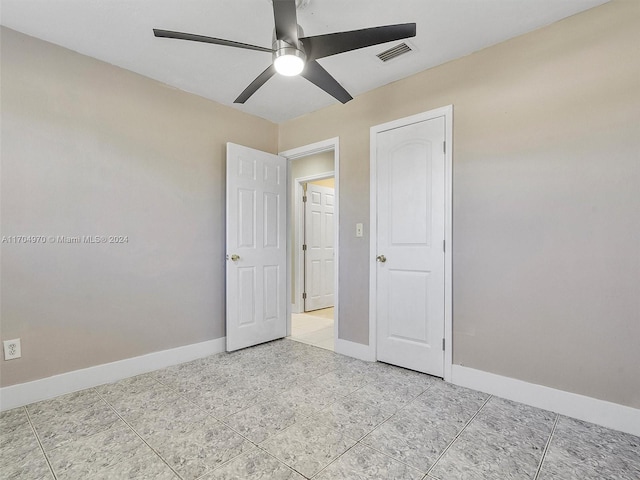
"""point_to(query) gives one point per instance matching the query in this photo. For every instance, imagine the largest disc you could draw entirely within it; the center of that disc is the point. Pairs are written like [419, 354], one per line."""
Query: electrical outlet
[12, 349]
[359, 230]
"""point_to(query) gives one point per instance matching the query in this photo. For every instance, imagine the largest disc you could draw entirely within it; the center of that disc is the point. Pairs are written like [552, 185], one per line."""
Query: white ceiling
[120, 32]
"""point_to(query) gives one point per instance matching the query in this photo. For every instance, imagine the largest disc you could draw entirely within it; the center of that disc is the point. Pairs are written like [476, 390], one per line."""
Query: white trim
[373, 244]
[294, 154]
[610, 415]
[45, 388]
[447, 113]
[297, 303]
[448, 238]
[312, 149]
[355, 350]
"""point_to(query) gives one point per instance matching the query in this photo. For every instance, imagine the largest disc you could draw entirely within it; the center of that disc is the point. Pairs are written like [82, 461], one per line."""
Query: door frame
[291, 156]
[447, 113]
[297, 304]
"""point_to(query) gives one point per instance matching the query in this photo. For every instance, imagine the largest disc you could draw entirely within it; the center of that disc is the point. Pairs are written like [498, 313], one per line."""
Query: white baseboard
[45, 388]
[355, 350]
[607, 414]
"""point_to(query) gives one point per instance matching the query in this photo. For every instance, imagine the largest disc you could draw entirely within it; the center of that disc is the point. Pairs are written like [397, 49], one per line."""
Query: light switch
[358, 229]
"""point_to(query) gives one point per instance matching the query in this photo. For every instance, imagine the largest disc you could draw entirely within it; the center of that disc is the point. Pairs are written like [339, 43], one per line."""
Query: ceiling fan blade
[321, 46]
[256, 84]
[317, 75]
[202, 38]
[284, 13]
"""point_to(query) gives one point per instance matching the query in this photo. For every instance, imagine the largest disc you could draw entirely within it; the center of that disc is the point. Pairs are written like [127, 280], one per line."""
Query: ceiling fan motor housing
[289, 57]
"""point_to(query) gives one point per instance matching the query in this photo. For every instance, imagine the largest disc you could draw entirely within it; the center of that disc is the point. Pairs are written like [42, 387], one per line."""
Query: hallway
[314, 328]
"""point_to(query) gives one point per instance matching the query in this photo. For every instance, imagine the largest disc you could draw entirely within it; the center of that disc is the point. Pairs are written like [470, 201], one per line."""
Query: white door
[319, 253]
[410, 177]
[256, 247]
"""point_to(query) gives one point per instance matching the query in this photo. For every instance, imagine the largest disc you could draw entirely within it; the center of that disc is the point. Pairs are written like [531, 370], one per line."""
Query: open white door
[319, 253]
[409, 245]
[256, 247]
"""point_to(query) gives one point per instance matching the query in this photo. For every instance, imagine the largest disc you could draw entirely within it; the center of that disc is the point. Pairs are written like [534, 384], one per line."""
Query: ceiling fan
[294, 54]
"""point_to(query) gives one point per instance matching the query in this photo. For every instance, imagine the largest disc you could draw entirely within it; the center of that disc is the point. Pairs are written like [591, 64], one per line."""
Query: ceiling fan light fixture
[288, 60]
[289, 65]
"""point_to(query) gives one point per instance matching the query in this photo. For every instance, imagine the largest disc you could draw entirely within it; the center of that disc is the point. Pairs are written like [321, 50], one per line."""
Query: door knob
[381, 258]
[235, 257]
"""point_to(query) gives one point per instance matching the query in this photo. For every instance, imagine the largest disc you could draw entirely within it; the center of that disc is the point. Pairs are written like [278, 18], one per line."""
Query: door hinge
[304, 199]
[304, 248]
[304, 296]
[444, 245]
[443, 344]
[444, 147]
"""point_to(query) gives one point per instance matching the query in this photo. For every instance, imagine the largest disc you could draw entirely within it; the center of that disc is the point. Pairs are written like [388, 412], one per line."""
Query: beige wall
[326, 182]
[546, 201]
[91, 149]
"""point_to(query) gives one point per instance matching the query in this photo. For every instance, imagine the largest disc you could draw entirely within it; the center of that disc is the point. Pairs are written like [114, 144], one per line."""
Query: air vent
[394, 52]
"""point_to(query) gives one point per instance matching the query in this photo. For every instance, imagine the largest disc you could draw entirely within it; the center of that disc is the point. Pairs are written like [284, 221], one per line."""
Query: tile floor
[286, 410]
[314, 328]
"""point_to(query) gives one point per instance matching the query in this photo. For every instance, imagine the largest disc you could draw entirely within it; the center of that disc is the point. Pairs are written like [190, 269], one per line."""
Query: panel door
[410, 239]
[319, 253]
[256, 247]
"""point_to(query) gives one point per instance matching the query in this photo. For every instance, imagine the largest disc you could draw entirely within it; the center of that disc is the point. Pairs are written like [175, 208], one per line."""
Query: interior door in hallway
[409, 294]
[319, 253]
[256, 247]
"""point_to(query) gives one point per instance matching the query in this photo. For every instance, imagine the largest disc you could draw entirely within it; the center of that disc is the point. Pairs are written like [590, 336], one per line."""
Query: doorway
[315, 254]
[313, 240]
